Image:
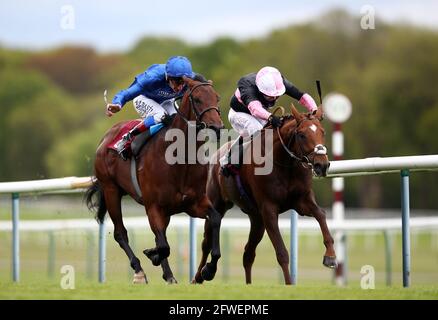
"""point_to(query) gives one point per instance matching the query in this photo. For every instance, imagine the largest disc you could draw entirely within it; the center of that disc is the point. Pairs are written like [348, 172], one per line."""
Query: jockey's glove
[275, 121]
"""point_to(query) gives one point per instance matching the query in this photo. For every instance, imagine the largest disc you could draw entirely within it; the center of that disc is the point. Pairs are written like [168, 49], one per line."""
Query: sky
[111, 25]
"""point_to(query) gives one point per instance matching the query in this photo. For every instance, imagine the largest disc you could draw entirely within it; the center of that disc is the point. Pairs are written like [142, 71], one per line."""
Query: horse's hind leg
[270, 219]
[255, 236]
[167, 272]
[113, 201]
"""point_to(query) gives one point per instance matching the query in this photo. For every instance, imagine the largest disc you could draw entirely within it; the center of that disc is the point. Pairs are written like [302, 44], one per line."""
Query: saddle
[141, 139]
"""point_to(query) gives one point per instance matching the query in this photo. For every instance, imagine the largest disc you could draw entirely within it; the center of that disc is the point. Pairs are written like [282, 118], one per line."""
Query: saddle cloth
[125, 129]
[139, 140]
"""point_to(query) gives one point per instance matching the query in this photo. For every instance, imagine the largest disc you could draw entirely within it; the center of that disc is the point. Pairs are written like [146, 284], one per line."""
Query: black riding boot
[124, 143]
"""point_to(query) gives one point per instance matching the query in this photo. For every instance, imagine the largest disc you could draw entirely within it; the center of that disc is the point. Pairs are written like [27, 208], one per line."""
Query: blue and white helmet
[179, 66]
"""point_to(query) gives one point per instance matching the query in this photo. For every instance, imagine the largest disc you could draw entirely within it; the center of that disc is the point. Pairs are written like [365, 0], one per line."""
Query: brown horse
[166, 189]
[288, 186]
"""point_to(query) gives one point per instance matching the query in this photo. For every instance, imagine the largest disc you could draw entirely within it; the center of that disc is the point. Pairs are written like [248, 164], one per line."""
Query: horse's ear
[320, 113]
[298, 116]
[188, 81]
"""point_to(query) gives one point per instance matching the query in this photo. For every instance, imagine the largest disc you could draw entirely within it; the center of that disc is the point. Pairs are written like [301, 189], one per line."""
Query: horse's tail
[98, 203]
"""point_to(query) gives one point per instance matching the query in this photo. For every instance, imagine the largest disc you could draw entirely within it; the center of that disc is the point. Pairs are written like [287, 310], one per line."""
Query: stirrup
[121, 144]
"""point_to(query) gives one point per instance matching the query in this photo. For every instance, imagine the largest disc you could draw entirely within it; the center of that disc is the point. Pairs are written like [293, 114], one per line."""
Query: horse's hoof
[153, 255]
[150, 252]
[171, 280]
[140, 278]
[197, 279]
[208, 272]
[330, 262]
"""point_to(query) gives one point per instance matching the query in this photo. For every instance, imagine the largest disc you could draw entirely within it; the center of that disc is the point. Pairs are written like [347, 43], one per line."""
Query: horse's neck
[283, 162]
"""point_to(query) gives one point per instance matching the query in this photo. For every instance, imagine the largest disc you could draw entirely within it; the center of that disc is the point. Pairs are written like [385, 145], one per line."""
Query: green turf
[124, 290]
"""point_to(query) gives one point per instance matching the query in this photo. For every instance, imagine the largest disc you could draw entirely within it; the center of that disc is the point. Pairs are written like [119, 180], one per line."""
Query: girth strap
[134, 177]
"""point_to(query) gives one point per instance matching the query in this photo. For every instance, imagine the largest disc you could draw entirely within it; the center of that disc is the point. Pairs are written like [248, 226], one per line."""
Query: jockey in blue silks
[153, 93]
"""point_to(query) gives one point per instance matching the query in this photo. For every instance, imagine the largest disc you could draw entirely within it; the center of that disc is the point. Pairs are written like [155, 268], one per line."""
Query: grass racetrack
[36, 289]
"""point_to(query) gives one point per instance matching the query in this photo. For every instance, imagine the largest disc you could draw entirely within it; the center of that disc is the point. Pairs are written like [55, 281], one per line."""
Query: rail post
[15, 237]
[192, 264]
[405, 228]
[102, 251]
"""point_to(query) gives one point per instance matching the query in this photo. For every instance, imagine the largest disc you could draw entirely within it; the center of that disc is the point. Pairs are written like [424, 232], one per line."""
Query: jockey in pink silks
[255, 93]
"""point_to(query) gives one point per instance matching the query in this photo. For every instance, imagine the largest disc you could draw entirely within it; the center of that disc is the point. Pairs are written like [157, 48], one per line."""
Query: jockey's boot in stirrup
[227, 166]
[124, 143]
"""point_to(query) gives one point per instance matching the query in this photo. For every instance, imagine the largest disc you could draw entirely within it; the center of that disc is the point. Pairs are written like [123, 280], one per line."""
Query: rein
[304, 159]
[199, 123]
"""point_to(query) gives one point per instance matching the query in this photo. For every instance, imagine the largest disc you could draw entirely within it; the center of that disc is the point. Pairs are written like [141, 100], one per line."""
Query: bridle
[319, 149]
[199, 123]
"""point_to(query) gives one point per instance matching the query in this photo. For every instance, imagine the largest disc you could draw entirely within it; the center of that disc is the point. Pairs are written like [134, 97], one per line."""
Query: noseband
[199, 123]
[319, 149]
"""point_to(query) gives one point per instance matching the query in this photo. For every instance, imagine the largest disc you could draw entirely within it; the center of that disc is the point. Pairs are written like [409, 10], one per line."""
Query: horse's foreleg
[270, 219]
[206, 248]
[255, 236]
[202, 209]
[113, 202]
[167, 272]
[329, 259]
[215, 218]
[158, 220]
[308, 207]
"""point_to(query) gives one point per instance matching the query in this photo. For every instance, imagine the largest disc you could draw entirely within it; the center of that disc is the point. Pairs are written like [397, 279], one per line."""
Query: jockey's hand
[112, 108]
[275, 121]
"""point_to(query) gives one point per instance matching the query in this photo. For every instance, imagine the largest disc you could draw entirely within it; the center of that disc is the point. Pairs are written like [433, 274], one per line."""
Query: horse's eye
[301, 136]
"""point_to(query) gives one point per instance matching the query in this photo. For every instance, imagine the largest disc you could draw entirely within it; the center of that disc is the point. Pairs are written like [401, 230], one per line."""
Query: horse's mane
[289, 117]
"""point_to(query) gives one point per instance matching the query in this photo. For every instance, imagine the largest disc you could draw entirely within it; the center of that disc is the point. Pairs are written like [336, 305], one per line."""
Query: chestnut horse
[166, 189]
[297, 151]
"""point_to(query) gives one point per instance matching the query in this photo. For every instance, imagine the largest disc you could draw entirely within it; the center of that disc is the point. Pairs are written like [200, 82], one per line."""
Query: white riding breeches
[244, 123]
[147, 107]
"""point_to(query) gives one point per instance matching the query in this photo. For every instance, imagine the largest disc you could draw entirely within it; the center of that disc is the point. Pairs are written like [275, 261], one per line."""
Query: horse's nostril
[320, 169]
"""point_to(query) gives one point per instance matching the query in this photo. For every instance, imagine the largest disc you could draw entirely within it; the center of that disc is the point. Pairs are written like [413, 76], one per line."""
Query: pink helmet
[270, 82]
